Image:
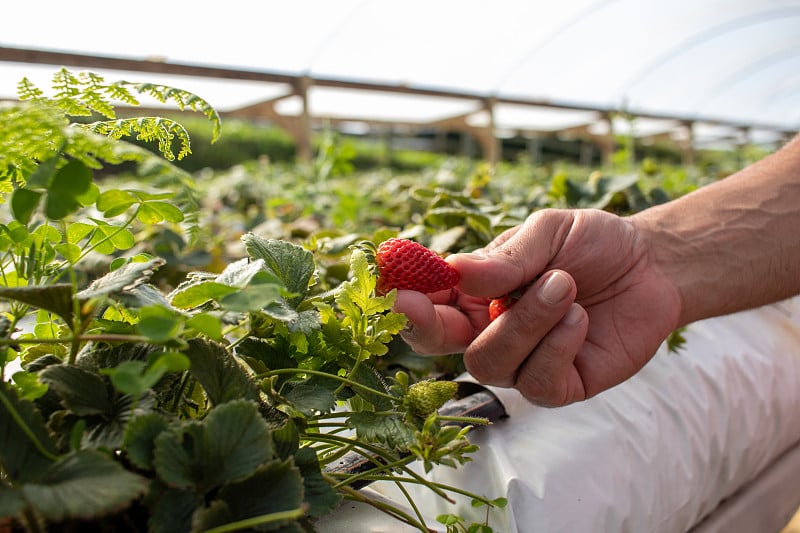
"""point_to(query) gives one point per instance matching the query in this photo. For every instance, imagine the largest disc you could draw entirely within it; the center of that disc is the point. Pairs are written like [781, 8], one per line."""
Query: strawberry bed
[197, 349]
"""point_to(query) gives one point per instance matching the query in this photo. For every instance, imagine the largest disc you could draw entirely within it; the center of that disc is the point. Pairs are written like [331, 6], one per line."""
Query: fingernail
[574, 315]
[555, 288]
[409, 331]
[474, 256]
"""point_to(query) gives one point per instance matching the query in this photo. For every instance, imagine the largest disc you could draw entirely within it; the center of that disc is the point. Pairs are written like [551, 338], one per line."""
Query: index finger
[439, 328]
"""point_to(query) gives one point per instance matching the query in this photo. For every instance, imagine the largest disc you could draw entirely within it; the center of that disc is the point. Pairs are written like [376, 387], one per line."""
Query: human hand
[595, 312]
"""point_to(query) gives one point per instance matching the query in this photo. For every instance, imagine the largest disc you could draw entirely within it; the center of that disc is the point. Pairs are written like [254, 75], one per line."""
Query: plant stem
[380, 468]
[293, 514]
[464, 419]
[76, 318]
[119, 229]
[109, 337]
[410, 501]
[344, 380]
[385, 457]
[396, 513]
[179, 392]
[426, 483]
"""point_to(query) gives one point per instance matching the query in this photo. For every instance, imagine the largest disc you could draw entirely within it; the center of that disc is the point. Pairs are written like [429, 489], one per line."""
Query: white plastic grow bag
[704, 440]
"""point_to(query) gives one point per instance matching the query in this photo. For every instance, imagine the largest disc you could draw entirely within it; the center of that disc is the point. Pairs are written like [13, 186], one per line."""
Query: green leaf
[23, 204]
[70, 182]
[123, 279]
[318, 493]
[108, 238]
[228, 445]
[199, 293]
[275, 487]
[266, 353]
[388, 430]
[84, 485]
[310, 399]
[606, 187]
[356, 297]
[169, 362]
[305, 322]
[244, 271]
[77, 231]
[70, 252]
[83, 392]
[56, 298]
[18, 233]
[254, 298]
[172, 510]
[88, 197]
[286, 439]
[222, 377]
[158, 323]
[369, 376]
[26, 448]
[140, 435]
[206, 324]
[11, 502]
[42, 177]
[29, 386]
[293, 264]
[115, 202]
[146, 295]
[157, 212]
[129, 377]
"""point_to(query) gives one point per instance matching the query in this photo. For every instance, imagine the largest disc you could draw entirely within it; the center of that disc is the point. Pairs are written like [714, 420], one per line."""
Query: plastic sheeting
[706, 438]
[735, 60]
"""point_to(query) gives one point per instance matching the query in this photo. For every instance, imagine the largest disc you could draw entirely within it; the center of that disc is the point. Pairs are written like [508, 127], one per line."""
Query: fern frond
[149, 129]
[68, 91]
[119, 92]
[181, 98]
[6, 185]
[29, 133]
[28, 91]
[93, 94]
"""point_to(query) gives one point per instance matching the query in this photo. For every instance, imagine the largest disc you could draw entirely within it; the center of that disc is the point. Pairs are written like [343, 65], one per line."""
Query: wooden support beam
[48, 57]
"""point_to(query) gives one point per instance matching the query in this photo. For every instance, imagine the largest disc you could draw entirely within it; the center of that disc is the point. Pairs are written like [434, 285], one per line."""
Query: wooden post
[303, 132]
[607, 142]
[687, 145]
[489, 142]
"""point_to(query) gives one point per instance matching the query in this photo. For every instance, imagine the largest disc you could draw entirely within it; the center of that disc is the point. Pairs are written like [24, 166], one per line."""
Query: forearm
[734, 244]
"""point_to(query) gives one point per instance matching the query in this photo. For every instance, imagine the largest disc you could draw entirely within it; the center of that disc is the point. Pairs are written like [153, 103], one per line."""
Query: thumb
[487, 274]
[516, 257]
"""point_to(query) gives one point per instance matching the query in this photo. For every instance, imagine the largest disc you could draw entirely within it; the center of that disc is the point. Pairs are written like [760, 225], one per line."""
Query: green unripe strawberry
[405, 264]
[426, 397]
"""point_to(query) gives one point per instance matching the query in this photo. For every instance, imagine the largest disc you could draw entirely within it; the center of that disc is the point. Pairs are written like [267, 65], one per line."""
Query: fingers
[549, 376]
[533, 345]
[434, 329]
[515, 258]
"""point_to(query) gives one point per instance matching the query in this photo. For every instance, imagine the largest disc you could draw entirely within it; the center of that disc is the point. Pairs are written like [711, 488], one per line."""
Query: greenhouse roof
[727, 65]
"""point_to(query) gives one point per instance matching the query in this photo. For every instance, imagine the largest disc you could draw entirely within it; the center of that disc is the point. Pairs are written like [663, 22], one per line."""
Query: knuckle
[539, 388]
[478, 368]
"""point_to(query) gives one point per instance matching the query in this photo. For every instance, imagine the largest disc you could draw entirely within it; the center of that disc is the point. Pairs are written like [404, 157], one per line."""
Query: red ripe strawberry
[405, 264]
[498, 306]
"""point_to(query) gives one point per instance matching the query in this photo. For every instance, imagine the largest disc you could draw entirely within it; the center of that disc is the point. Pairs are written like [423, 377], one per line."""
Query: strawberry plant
[221, 403]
